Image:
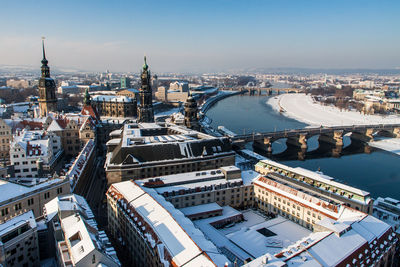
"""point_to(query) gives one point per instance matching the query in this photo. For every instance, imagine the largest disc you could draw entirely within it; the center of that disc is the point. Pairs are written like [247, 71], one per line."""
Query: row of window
[30, 201]
[25, 170]
[25, 162]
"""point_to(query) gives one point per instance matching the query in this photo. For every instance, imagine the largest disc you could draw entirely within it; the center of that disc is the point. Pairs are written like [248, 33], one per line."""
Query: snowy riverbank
[301, 107]
[388, 144]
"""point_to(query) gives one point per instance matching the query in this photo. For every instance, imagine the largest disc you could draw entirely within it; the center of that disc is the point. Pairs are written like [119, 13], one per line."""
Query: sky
[201, 36]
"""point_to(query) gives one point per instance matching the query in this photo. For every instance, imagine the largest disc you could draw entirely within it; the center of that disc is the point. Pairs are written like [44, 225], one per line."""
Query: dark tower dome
[87, 99]
[191, 117]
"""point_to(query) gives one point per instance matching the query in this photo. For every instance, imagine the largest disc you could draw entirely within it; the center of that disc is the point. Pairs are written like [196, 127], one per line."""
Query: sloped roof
[169, 151]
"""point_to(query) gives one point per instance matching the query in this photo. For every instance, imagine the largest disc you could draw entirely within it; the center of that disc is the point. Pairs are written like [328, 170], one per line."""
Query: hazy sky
[215, 35]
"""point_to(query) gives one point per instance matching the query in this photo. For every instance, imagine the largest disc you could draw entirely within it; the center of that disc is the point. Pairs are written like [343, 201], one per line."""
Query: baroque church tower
[145, 111]
[47, 89]
[191, 117]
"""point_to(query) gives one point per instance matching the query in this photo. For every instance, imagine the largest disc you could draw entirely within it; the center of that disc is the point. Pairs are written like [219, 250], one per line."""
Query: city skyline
[203, 36]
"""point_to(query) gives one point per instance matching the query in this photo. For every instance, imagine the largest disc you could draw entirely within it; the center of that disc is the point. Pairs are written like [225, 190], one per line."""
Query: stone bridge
[331, 135]
[260, 90]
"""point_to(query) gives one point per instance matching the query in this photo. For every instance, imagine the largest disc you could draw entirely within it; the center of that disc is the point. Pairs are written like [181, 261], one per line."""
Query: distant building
[180, 86]
[19, 241]
[178, 92]
[19, 83]
[129, 92]
[115, 106]
[74, 234]
[78, 89]
[161, 94]
[125, 82]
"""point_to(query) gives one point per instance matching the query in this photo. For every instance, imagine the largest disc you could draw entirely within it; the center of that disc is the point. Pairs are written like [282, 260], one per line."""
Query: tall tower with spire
[145, 109]
[47, 88]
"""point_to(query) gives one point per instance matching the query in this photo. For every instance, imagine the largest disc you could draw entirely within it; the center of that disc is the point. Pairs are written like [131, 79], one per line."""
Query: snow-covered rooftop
[319, 177]
[112, 98]
[209, 207]
[18, 221]
[183, 241]
[79, 227]
[80, 162]
[11, 190]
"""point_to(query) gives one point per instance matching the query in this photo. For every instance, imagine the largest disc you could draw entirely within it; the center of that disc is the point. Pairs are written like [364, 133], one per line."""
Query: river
[375, 172]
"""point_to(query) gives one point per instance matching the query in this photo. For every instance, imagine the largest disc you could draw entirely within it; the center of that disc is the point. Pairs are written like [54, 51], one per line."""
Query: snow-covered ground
[166, 112]
[302, 108]
[388, 144]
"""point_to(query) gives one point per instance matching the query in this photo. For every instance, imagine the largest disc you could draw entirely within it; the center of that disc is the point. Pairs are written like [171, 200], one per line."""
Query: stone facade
[115, 106]
[5, 139]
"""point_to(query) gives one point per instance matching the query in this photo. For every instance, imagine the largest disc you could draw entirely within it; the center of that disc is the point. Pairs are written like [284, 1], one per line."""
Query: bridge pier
[396, 132]
[301, 155]
[335, 138]
[264, 145]
[337, 151]
[365, 136]
[299, 141]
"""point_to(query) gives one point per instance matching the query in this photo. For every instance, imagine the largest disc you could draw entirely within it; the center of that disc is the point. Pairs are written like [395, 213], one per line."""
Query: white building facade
[32, 152]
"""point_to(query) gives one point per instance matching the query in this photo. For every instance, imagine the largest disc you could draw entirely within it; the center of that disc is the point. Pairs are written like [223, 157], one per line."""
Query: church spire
[145, 66]
[45, 68]
[47, 88]
[44, 60]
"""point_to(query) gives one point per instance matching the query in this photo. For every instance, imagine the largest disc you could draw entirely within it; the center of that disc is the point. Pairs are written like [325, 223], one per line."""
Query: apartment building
[74, 130]
[316, 183]
[76, 239]
[145, 217]
[225, 186]
[34, 152]
[5, 139]
[20, 195]
[81, 170]
[19, 241]
[154, 232]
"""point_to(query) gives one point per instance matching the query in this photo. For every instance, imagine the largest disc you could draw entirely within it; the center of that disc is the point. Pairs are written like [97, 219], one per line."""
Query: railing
[294, 132]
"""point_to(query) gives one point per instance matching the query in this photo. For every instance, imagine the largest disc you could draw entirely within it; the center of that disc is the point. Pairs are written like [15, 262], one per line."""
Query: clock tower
[47, 89]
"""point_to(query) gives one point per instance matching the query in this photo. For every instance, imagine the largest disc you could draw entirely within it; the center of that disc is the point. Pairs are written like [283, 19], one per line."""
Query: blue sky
[187, 36]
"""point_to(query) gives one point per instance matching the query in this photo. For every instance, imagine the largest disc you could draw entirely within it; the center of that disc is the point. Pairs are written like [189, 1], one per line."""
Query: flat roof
[11, 191]
[209, 207]
[18, 221]
[283, 233]
[318, 177]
